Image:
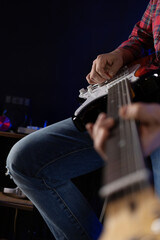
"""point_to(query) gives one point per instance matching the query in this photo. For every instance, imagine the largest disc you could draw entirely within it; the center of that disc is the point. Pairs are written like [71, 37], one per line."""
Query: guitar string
[126, 132]
[127, 149]
[118, 89]
[119, 164]
[114, 113]
[134, 149]
[115, 97]
[128, 160]
[129, 137]
[113, 105]
[122, 141]
[114, 102]
[121, 132]
[138, 159]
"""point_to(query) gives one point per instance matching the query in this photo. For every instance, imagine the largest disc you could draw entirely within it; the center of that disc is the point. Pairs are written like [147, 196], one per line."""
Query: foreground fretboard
[125, 164]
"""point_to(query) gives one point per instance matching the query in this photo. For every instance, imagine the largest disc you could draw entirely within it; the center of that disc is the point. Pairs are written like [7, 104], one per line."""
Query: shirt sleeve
[141, 37]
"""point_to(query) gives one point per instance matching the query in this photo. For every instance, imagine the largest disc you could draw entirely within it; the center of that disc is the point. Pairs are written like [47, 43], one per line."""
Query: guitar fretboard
[125, 164]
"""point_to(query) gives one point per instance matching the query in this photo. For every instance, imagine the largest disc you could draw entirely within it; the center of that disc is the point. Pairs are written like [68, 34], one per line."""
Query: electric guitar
[144, 78]
[133, 210]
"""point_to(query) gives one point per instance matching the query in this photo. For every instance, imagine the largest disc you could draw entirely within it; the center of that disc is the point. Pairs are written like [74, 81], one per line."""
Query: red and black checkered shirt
[146, 33]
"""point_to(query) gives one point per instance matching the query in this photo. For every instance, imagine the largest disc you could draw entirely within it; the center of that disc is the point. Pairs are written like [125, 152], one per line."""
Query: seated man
[43, 163]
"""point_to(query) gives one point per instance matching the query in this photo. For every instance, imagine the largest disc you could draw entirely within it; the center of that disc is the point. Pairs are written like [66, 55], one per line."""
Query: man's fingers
[146, 113]
[112, 70]
[89, 80]
[95, 76]
[102, 124]
[89, 127]
[99, 73]
[100, 67]
[133, 111]
[94, 128]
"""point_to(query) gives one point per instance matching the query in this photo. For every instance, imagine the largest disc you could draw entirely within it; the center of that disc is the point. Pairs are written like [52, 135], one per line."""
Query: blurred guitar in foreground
[133, 210]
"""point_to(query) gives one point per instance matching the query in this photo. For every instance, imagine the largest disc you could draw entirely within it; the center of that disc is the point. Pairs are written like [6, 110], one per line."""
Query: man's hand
[147, 114]
[149, 130]
[105, 66]
[99, 132]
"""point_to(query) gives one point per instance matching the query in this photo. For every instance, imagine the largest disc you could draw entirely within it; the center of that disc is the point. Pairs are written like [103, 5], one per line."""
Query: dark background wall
[47, 48]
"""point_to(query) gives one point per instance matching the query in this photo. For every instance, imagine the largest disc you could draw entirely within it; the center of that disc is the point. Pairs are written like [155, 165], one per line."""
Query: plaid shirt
[146, 33]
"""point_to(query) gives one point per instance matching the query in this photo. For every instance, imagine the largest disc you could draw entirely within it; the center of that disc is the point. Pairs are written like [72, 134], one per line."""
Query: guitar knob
[82, 91]
[155, 227]
[102, 84]
[90, 88]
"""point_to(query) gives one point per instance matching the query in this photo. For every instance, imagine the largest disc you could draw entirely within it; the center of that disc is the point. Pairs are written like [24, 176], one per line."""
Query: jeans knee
[17, 160]
[13, 160]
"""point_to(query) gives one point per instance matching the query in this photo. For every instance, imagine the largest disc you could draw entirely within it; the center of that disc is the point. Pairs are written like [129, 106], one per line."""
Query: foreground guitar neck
[125, 166]
[133, 217]
[133, 211]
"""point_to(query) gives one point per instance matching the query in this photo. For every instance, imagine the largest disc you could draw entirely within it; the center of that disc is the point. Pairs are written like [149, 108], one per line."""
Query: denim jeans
[155, 158]
[43, 163]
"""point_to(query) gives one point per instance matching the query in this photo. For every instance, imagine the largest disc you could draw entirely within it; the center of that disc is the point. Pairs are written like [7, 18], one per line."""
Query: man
[43, 163]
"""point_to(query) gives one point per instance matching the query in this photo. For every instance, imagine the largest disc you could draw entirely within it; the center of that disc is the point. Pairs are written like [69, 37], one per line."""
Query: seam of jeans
[65, 205]
[64, 155]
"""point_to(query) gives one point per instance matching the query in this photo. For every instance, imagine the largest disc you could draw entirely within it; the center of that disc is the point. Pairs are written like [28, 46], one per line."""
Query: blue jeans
[155, 158]
[43, 163]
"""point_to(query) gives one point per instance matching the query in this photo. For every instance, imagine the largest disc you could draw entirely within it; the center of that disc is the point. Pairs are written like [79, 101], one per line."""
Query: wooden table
[13, 202]
[6, 200]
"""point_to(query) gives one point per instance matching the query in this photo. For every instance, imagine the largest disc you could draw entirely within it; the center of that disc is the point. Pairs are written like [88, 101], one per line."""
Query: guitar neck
[125, 166]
